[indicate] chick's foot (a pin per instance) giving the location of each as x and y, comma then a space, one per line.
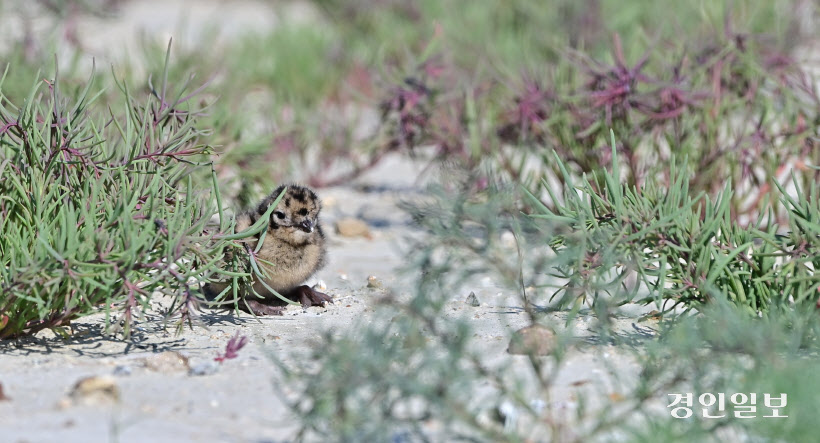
260, 309
309, 296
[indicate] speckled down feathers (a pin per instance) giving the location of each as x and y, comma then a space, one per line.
294, 243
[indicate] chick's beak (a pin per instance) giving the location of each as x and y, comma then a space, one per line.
306, 225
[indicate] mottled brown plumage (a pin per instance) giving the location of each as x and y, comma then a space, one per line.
294, 245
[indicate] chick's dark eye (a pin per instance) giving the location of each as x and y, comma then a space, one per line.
303, 211
279, 214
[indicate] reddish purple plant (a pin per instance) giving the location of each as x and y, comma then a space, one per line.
406, 119
407, 105
232, 348
614, 88
531, 109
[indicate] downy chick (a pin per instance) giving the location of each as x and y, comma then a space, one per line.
295, 246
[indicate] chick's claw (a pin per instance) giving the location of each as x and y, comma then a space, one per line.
260, 309
310, 297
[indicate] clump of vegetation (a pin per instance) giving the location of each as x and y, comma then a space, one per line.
100, 212
682, 249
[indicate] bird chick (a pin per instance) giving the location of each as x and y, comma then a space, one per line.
294, 246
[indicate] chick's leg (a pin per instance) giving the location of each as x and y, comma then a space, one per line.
259, 309
309, 296
212, 290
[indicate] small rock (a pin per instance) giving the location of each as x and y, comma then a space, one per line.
352, 227
3, 396
472, 300
538, 405
508, 415
508, 239
64, 403
374, 283
206, 368
320, 285
95, 391
121, 370
532, 340
401, 437
168, 361
616, 397
329, 202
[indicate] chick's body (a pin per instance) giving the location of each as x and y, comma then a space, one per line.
292, 250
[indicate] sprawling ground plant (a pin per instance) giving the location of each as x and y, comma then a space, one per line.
98, 210
682, 249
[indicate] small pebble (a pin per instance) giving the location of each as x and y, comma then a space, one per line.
538, 405
206, 368
95, 391
532, 340
401, 437
168, 361
329, 202
374, 283
122, 370
352, 227
508, 414
508, 239
64, 403
472, 300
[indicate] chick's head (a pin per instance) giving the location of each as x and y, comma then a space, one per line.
296, 217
